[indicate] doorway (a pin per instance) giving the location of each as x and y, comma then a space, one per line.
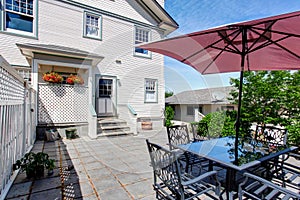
106, 96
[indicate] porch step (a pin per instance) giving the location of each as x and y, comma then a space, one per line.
112, 127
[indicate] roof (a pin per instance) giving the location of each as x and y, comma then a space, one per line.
29, 49
165, 21
217, 95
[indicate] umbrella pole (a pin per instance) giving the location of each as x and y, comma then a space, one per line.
238, 118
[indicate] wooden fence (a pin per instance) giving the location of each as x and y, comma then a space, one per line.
17, 122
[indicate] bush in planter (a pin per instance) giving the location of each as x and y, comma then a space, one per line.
34, 164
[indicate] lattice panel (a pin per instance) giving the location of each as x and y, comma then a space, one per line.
62, 103
11, 89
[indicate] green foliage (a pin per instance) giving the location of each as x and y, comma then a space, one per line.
169, 113
220, 123
34, 163
270, 98
168, 94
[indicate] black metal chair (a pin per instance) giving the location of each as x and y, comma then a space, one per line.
200, 131
255, 187
271, 134
275, 137
287, 173
179, 134
171, 183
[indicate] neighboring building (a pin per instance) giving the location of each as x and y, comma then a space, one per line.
193, 105
94, 40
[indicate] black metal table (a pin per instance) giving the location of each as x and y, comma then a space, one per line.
222, 151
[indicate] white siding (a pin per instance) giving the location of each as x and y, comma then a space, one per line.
61, 24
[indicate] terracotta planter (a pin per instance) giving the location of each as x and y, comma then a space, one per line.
146, 125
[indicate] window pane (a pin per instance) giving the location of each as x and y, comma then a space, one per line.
92, 26
150, 90
141, 36
19, 22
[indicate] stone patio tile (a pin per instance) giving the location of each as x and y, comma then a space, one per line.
21, 178
106, 183
130, 178
116, 193
89, 197
84, 154
48, 194
140, 189
25, 197
72, 191
86, 188
19, 189
88, 159
118, 167
150, 197
93, 165
98, 173
46, 184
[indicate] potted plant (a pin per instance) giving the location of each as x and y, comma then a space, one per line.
34, 164
52, 77
74, 79
50, 165
71, 133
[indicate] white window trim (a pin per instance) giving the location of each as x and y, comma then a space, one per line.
155, 91
99, 37
19, 32
148, 55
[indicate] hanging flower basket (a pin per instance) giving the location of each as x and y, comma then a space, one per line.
52, 77
74, 79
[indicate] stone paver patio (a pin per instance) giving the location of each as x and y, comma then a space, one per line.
105, 168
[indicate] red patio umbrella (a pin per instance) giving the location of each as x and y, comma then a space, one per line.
271, 43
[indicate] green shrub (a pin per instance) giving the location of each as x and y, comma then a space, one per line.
220, 123
169, 113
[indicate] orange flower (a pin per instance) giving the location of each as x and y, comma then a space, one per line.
52, 77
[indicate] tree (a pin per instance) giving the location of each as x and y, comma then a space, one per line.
220, 123
269, 98
168, 94
169, 116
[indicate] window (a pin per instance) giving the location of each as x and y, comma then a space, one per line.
92, 26
25, 73
141, 36
19, 16
105, 87
227, 108
190, 110
150, 90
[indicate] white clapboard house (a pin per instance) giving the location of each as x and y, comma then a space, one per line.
80, 57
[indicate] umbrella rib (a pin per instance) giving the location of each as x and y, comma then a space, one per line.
278, 32
260, 35
212, 46
230, 41
275, 43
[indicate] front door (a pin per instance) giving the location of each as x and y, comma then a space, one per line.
106, 96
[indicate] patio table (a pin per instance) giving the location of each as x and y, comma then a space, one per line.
221, 151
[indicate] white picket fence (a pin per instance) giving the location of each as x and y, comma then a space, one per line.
17, 122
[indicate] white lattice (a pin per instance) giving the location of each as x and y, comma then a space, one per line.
59, 103
11, 89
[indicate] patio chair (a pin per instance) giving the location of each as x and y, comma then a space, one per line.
271, 134
200, 131
171, 183
255, 187
287, 173
275, 137
179, 134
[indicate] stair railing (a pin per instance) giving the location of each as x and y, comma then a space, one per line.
134, 120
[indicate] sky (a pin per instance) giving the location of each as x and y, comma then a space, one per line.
197, 15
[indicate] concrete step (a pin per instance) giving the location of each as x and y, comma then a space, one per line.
115, 133
112, 127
